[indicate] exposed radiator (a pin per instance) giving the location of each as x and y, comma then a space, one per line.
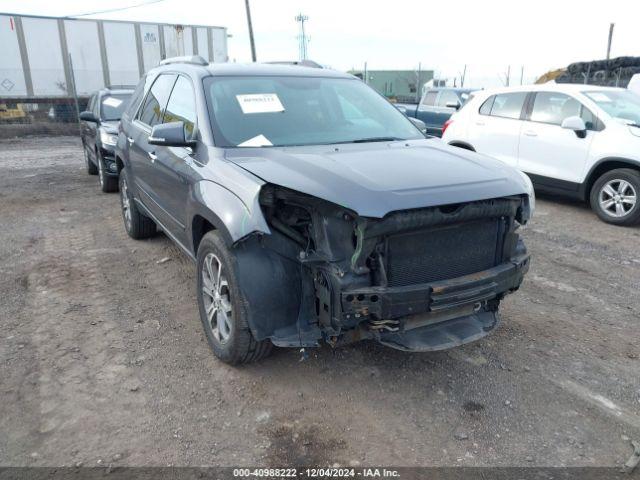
443, 252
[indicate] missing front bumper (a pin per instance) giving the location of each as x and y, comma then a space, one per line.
397, 302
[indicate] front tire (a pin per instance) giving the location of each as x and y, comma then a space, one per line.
615, 197
108, 184
137, 225
223, 309
91, 168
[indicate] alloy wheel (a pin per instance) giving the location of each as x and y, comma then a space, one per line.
617, 198
126, 204
216, 298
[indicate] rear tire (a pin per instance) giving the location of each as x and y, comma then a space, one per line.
223, 308
615, 197
91, 168
137, 225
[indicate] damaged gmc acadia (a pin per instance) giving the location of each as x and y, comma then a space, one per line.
316, 211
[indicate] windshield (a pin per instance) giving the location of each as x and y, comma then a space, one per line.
620, 104
287, 111
112, 106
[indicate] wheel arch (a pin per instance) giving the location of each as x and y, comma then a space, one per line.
214, 207
603, 166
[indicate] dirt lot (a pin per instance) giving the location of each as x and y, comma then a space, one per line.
103, 360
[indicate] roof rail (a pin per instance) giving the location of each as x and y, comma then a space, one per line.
300, 63
193, 59
120, 87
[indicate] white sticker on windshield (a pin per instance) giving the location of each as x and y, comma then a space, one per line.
112, 102
260, 103
258, 141
599, 97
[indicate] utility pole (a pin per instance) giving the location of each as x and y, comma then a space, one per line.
253, 44
462, 77
610, 39
302, 38
521, 74
366, 80
508, 75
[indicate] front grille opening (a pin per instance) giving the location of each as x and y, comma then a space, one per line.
449, 209
443, 252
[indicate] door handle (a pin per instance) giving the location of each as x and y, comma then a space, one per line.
152, 156
130, 140
530, 133
479, 123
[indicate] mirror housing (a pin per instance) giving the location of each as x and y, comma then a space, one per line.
419, 124
88, 116
576, 124
170, 135
454, 105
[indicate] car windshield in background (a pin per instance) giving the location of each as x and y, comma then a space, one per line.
624, 105
288, 111
112, 106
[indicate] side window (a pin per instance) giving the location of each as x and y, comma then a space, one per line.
182, 106
508, 105
590, 120
553, 107
138, 95
430, 98
447, 96
485, 109
153, 109
95, 108
91, 102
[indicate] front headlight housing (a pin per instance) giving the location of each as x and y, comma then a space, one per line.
530, 192
108, 138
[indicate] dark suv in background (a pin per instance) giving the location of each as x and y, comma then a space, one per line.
99, 133
316, 211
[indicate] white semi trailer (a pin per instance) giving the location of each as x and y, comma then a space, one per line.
44, 57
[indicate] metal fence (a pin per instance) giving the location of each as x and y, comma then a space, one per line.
43, 116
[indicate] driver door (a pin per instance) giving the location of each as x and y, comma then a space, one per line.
548, 151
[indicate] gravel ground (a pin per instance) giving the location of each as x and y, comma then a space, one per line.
103, 360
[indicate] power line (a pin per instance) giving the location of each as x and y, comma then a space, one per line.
110, 10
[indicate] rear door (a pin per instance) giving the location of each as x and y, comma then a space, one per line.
554, 154
495, 129
172, 177
142, 156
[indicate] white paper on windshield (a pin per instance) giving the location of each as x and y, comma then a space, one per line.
259, 141
260, 103
112, 102
599, 97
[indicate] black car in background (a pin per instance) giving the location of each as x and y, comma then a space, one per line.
99, 133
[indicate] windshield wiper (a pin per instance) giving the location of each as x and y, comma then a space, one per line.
373, 139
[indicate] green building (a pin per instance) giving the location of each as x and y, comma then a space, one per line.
403, 85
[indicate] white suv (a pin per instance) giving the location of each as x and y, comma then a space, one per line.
581, 141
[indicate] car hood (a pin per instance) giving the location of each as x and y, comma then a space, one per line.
110, 126
374, 179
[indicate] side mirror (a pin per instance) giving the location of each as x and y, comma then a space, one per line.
170, 135
88, 116
454, 105
576, 124
401, 109
419, 124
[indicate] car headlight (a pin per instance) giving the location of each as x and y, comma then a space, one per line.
530, 192
108, 138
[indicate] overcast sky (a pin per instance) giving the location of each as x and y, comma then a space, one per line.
487, 35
